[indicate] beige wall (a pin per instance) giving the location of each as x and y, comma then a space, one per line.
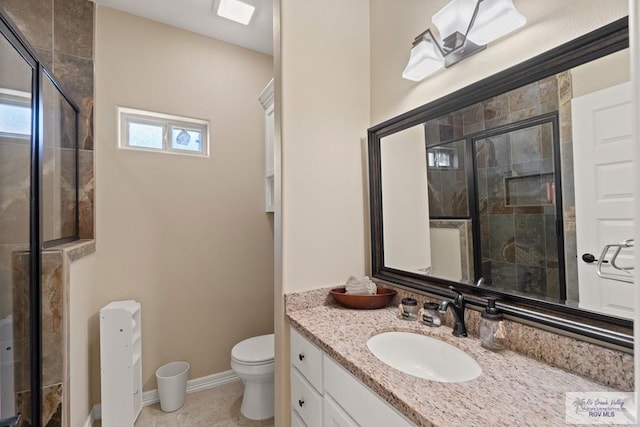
187, 237
84, 339
322, 102
393, 28
602, 73
405, 205
447, 258
325, 100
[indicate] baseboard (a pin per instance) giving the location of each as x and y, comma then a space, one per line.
198, 384
150, 397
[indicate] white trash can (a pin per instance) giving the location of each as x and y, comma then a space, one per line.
172, 385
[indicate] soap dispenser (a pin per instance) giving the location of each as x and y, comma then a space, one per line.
493, 334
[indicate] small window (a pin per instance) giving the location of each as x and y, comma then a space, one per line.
442, 158
146, 130
15, 114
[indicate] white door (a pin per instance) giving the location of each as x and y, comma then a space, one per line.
603, 161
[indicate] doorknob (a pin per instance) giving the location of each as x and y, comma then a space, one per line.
589, 258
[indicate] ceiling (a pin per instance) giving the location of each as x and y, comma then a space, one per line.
199, 17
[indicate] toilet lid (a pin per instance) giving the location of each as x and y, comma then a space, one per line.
254, 350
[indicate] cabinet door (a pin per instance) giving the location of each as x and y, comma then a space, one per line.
362, 404
334, 415
307, 358
296, 421
305, 400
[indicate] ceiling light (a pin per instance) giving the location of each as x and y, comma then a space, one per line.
465, 27
236, 10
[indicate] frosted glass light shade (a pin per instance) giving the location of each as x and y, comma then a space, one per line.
425, 59
455, 16
495, 19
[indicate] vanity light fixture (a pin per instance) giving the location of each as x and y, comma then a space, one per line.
465, 27
236, 10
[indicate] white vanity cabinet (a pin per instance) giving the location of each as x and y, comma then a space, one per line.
325, 394
306, 380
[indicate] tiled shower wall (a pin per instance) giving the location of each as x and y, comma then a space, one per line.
54, 339
61, 35
531, 226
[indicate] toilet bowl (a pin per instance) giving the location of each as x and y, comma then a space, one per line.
252, 360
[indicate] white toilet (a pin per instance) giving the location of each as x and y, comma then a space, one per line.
252, 360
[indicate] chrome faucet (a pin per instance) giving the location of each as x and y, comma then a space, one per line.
457, 307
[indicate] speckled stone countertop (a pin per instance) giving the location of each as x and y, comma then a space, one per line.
513, 390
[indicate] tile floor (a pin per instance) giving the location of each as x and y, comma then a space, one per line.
217, 407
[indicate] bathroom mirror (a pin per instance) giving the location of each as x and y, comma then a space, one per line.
512, 188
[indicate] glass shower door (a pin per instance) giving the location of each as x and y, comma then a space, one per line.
16, 76
516, 180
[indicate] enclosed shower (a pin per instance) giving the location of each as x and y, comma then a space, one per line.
38, 209
494, 175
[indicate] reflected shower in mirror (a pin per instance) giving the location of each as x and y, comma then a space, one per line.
511, 191
517, 212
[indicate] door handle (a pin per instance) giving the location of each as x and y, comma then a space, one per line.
589, 258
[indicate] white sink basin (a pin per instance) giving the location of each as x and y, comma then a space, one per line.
424, 357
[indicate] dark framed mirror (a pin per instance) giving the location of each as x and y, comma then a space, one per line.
501, 188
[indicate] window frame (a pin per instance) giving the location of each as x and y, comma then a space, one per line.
168, 122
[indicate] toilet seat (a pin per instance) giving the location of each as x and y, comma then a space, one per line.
254, 351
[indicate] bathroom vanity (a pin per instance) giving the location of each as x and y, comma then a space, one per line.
324, 393
336, 380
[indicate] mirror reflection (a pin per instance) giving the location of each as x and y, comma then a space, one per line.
521, 192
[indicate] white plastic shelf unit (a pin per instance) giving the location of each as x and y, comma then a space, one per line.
121, 363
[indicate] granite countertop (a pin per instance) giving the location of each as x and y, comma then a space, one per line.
512, 389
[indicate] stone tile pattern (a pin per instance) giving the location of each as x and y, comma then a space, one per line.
512, 390
448, 193
565, 95
59, 174
515, 172
53, 334
51, 406
55, 304
78, 249
216, 407
60, 33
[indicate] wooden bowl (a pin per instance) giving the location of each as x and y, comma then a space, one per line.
363, 302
